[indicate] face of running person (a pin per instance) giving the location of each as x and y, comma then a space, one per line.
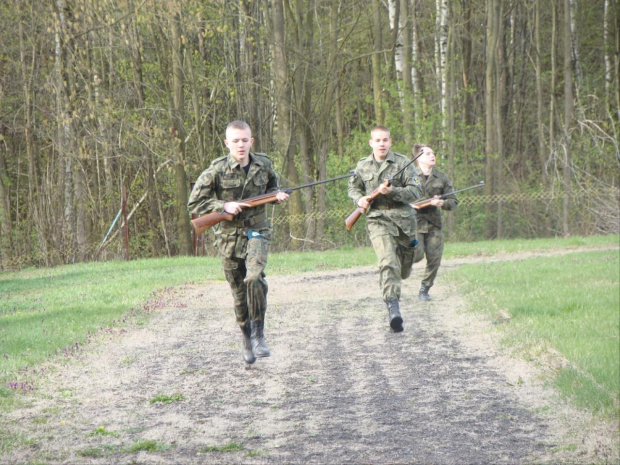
380, 142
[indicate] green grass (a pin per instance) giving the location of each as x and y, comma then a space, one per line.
167, 399
486, 248
147, 446
569, 304
43, 311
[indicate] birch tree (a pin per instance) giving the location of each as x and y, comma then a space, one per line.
407, 108
568, 114
376, 61
442, 71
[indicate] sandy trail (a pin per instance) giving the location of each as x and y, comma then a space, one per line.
338, 388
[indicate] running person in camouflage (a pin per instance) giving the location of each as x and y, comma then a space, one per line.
391, 219
429, 219
244, 242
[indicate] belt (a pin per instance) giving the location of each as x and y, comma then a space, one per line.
248, 222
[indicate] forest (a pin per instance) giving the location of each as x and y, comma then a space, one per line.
110, 109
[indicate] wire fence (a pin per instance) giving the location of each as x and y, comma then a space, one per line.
594, 210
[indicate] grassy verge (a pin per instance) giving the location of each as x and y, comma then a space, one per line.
485, 248
568, 305
44, 311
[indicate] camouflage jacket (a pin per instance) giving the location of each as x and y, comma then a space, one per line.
225, 181
394, 208
437, 184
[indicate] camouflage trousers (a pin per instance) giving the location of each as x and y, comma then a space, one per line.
395, 258
431, 245
246, 278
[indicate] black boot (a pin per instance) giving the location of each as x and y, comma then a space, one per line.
396, 320
248, 354
423, 295
259, 347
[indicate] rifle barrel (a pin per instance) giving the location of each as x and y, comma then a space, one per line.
450, 193
316, 183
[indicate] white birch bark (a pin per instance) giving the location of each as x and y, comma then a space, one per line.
398, 50
437, 28
606, 47
443, 49
414, 56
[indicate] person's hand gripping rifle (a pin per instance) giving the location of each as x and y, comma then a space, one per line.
384, 188
231, 209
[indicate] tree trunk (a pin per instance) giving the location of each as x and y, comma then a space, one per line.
177, 113
6, 230
415, 78
66, 137
554, 77
34, 181
282, 93
450, 116
499, 114
539, 113
442, 41
568, 115
468, 111
138, 81
490, 109
376, 62
617, 55
406, 72
608, 58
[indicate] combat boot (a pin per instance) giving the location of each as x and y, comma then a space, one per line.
423, 294
396, 320
259, 347
248, 354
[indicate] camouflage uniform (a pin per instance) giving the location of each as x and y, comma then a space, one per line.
244, 242
391, 219
430, 223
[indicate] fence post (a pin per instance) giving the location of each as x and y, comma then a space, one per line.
124, 208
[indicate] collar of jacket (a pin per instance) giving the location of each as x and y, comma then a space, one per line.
389, 157
432, 175
254, 160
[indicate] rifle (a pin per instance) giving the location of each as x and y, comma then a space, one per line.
204, 222
427, 202
359, 211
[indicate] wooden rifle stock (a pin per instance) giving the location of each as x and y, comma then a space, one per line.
359, 211
427, 202
204, 222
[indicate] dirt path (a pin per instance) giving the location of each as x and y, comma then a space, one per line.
338, 388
